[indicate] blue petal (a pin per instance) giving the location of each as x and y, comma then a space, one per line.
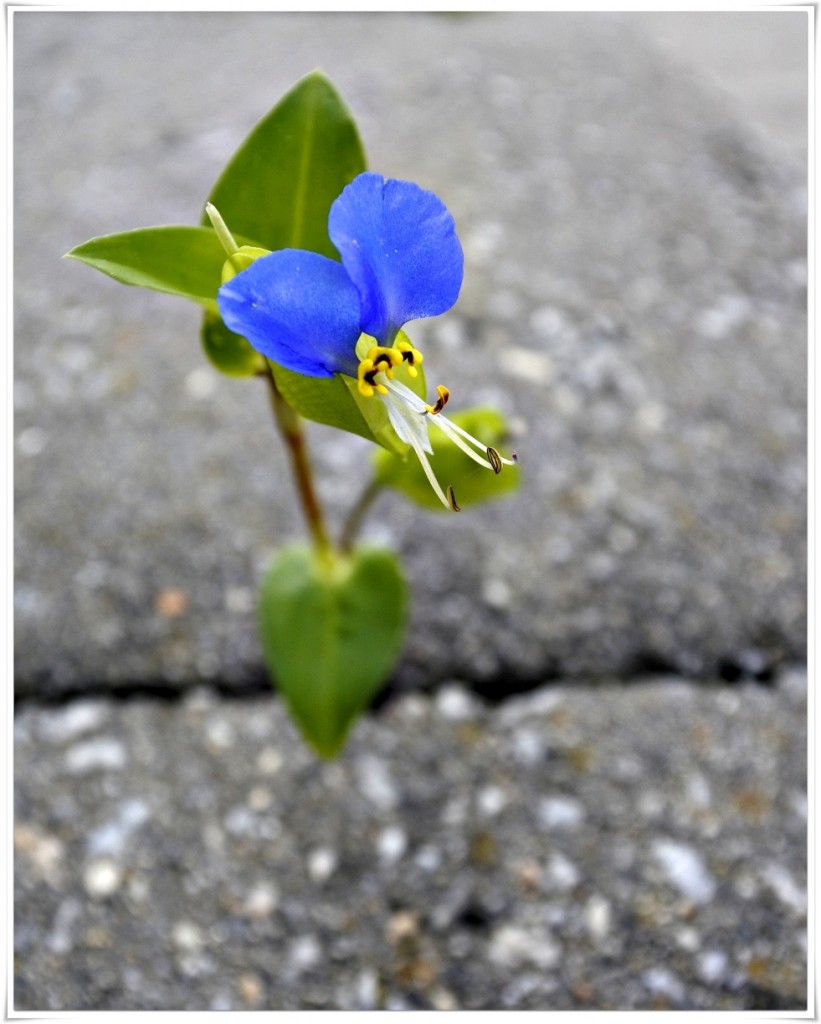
399, 246
297, 308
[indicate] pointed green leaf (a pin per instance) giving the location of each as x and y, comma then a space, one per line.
279, 185
471, 483
176, 259
331, 632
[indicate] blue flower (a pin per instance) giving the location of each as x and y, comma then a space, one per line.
401, 260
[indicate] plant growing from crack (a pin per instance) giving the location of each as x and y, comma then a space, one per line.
308, 268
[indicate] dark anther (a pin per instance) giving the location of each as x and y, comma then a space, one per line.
494, 460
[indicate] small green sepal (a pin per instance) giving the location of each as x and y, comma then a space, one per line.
229, 353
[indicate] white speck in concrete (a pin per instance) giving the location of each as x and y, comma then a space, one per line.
661, 981
102, 878
31, 441
73, 720
490, 800
711, 965
528, 746
367, 989
269, 761
496, 594
375, 782
260, 798
428, 858
391, 844
513, 947
718, 321
794, 683
798, 804
650, 417
561, 874
201, 383
528, 364
650, 804
455, 703
536, 705
240, 821
103, 753
455, 812
187, 937
112, 836
597, 917
60, 939
688, 938
560, 812
698, 792
322, 863
482, 241
783, 885
548, 322
239, 600
728, 702
450, 333
685, 869
304, 953
261, 902
219, 734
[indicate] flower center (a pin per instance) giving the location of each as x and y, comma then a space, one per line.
381, 359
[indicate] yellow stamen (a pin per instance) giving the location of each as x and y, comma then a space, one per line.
441, 401
410, 355
384, 358
381, 359
366, 375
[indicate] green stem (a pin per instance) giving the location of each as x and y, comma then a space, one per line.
290, 426
357, 514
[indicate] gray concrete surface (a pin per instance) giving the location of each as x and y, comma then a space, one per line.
614, 848
634, 300
756, 60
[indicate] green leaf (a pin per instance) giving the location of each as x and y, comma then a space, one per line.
176, 259
322, 399
228, 352
471, 483
279, 185
278, 189
331, 632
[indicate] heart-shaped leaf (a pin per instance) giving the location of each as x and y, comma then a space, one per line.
331, 630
